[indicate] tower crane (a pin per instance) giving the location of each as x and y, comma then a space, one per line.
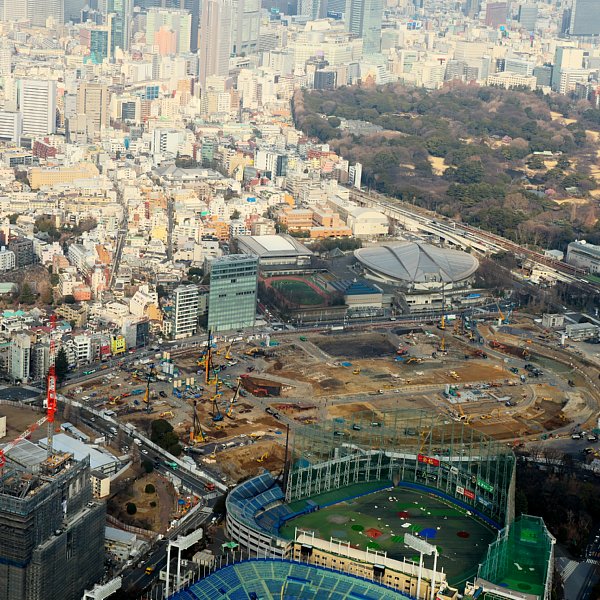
50, 402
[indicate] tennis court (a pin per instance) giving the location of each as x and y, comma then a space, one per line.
380, 520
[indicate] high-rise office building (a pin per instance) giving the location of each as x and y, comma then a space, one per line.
192, 6
6, 52
122, 11
37, 12
37, 104
566, 58
99, 43
15, 10
215, 39
186, 311
585, 18
527, 16
470, 7
245, 27
51, 532
72, 10
175, 20
496, 13
232, 295
60, 11
92, 101
313, 9
363, 18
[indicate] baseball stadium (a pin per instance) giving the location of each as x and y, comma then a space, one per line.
408, 500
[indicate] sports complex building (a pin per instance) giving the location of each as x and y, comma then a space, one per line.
406, 500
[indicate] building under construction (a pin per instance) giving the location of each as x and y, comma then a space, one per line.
51, 532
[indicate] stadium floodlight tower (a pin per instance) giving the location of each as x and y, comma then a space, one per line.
181, 543
423, 547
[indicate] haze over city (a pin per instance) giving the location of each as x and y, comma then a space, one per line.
299, 299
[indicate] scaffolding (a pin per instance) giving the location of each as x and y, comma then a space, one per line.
413, 447
51, 532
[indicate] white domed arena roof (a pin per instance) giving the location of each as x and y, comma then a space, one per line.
414, 262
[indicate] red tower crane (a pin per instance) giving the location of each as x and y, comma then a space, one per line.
50, 403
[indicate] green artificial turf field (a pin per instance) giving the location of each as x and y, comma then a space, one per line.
380, 520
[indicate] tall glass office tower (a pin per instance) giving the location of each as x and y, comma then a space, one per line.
363, 18
232, 296
585, 18
121, 23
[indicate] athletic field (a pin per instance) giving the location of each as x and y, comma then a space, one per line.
380, 520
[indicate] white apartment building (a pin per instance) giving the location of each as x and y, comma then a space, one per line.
20, 357
37, 104
185, 317
11, 126
82, 348
7, 259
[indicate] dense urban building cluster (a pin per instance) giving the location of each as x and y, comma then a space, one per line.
186, 190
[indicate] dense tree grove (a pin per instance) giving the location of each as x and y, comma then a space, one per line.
469, 152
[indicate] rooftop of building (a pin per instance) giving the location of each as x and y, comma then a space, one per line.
417, 262
265, 246
583, 245
272, 578
64, 443
117, 535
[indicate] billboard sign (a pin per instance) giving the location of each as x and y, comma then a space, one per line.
428, 460
484, 485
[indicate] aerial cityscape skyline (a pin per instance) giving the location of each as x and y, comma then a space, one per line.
299, 299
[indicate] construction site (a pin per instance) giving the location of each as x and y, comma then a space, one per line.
53, 532
502, 374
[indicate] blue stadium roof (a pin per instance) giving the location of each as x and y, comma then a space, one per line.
274, 579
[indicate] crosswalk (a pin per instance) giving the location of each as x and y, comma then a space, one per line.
568, 569
571, 565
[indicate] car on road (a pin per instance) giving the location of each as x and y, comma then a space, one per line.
144, 451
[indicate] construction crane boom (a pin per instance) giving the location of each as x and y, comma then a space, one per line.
237, 391
20, 438
50, 403
500, 313
146, 398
